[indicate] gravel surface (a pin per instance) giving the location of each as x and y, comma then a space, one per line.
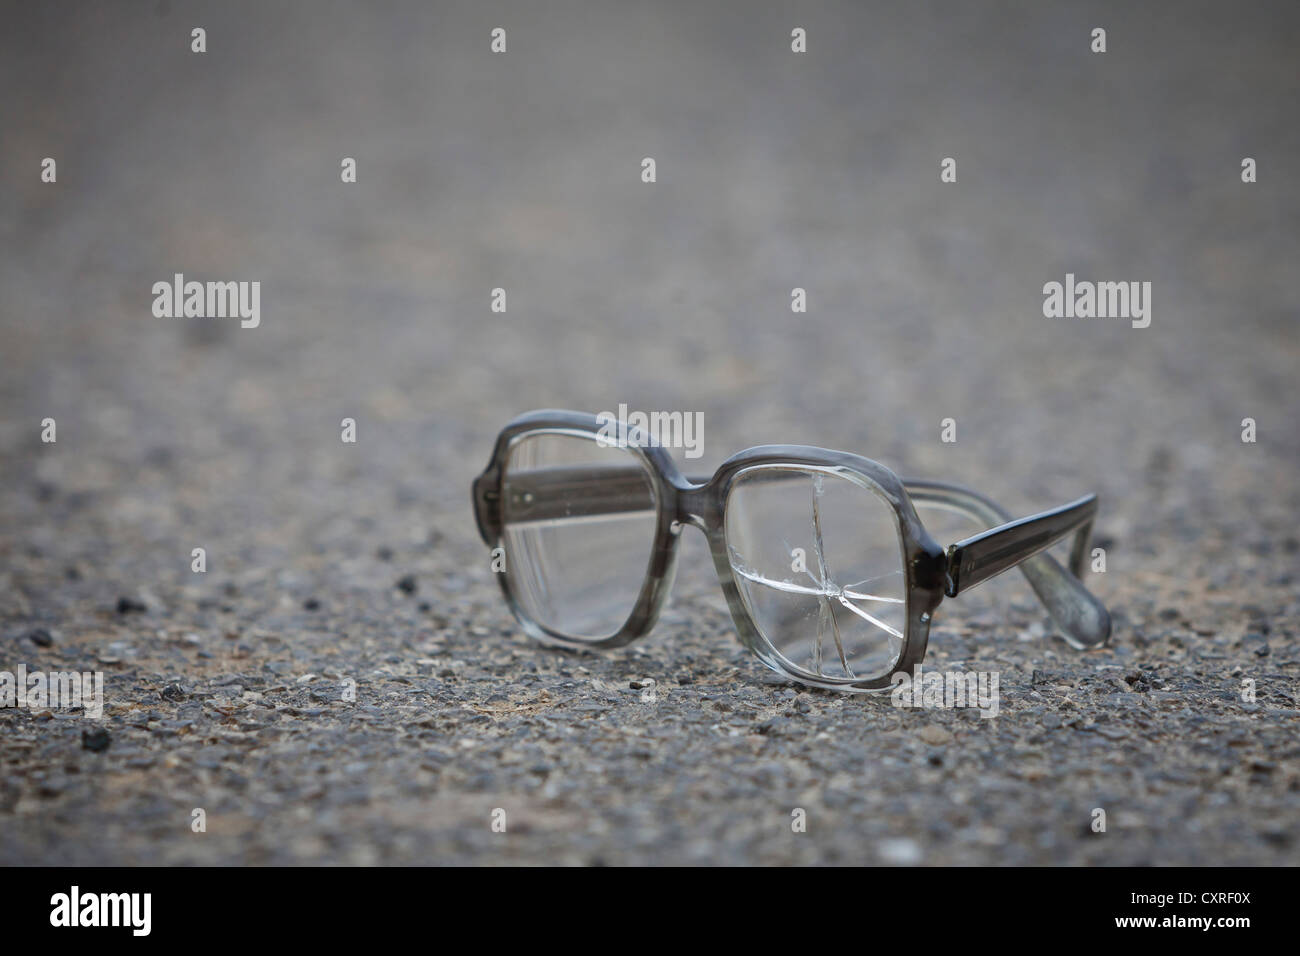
334, 567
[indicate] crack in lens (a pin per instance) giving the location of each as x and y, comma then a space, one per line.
830, 595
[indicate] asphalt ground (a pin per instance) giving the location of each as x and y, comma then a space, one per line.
335, 565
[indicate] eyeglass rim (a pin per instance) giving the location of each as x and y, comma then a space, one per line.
680, 502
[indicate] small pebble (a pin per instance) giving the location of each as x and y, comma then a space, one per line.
935, 735
901, 852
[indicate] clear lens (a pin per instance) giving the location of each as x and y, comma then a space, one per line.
579, 525
819, 564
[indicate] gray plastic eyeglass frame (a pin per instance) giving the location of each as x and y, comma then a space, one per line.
931, 571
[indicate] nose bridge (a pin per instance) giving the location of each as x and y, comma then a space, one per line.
693, 506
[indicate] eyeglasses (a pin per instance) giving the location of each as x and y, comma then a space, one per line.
830, 577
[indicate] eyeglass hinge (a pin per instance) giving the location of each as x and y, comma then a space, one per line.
487, 507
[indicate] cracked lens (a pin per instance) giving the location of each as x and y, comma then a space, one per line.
818, 562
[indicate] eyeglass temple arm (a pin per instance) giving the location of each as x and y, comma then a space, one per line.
1011, 543
989, 553
554, 493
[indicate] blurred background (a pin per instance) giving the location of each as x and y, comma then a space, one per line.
522, 170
